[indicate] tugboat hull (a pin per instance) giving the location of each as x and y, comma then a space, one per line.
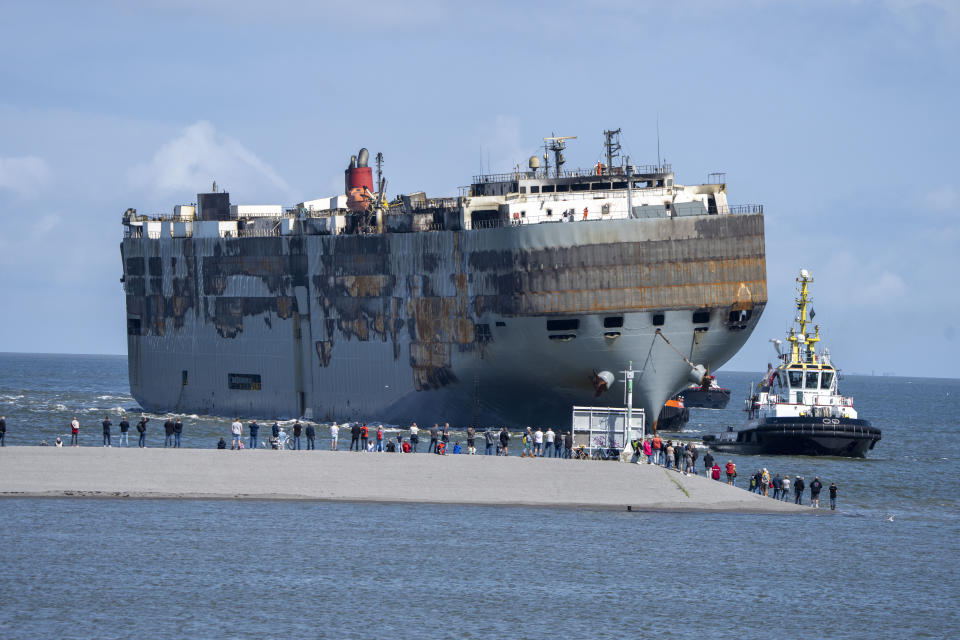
697, 398
801, 436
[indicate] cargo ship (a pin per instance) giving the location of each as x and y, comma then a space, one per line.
506, 304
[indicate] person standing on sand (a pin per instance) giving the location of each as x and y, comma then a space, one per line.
3, 431
815, 487
254, 434
334, 435
236, 430
177, 432
708, 461
777, 486
471, 440
785, 487
414, 437
798, 487
731, 473
379, 447
548, 439
355, 436
107, 442
74, 432
657, 445
538, 443
297, 431
364, 436
124, 427
833, 496
568, 445
490, 438
670, 453
275, 430
648, 450
167, 433
715, 471
311, 437
142, 430
434, 438
445, 436
504, 441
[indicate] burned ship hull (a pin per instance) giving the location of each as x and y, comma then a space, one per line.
498, 326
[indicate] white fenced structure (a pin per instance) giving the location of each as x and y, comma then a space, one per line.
603, 427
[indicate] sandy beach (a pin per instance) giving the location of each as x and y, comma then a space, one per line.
345, 476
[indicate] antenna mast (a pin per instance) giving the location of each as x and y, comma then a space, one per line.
612, 144
557, 144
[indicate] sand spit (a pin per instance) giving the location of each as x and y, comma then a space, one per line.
366, 477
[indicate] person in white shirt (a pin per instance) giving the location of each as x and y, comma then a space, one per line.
414, 437
538, 443
236, 429
334, 434
548, 438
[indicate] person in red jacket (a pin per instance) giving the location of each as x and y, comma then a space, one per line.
364, 436
380, 438
715, 471
731, 472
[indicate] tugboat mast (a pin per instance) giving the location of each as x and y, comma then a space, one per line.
809, 341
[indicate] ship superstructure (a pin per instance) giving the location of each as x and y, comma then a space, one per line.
505, 304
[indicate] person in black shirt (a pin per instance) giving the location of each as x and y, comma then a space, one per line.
168, 433
311, 437
815, 487
254, 431
833, 496
222, 444
798, 487
3, 431
434, 438
106, 431
177, 431
504, 442
142, 430
297, 431
124, 427
355, 436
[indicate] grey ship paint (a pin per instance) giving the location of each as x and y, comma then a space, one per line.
497, 307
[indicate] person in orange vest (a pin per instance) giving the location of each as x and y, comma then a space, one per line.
657, 450
731, 472
364, 435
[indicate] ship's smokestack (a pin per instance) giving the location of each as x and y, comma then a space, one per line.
363, 157
358, 182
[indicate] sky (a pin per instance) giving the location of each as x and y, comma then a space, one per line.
840, 117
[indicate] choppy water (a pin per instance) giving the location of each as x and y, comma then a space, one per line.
171, 569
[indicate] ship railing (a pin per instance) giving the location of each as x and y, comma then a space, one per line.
495, 224
258, 233
638, 170
741, 209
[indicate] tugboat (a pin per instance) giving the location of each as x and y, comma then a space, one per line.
798, 409
674, 415
707, 395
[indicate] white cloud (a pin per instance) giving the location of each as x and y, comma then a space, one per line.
850, 282
198, 156
501, 145
24, 175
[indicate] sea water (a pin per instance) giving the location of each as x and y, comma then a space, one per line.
883, 566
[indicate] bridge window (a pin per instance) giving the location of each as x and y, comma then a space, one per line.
582, 186
796, 378
562, 187
523, 189
826, 379
658, 319
613, 322
482, 333
813, 379
535, 189
548, 188
701, 317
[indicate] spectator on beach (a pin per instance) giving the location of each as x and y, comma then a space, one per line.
538, 443
168, 433
714, 471
365, 436
670, 454
275, 430
334, 434
731, 473
456, 447
283, 439
58, 442
504, 441
406, 447
657, 446
355, 436
777, 486
568, 445
549, 437
688, 458
3, 431
379, 446
471, 440
648, 450
707, 461
222, 444
445, 434
236, 430
177, 432
490, 439
369, 446
297, 432
785, 487
311, 437
798, 487
254, 434
74, 432
124, 428
833, 496
393, 447
815, 487
107, 441
414, 437
434, 438
142, 431
527, 440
